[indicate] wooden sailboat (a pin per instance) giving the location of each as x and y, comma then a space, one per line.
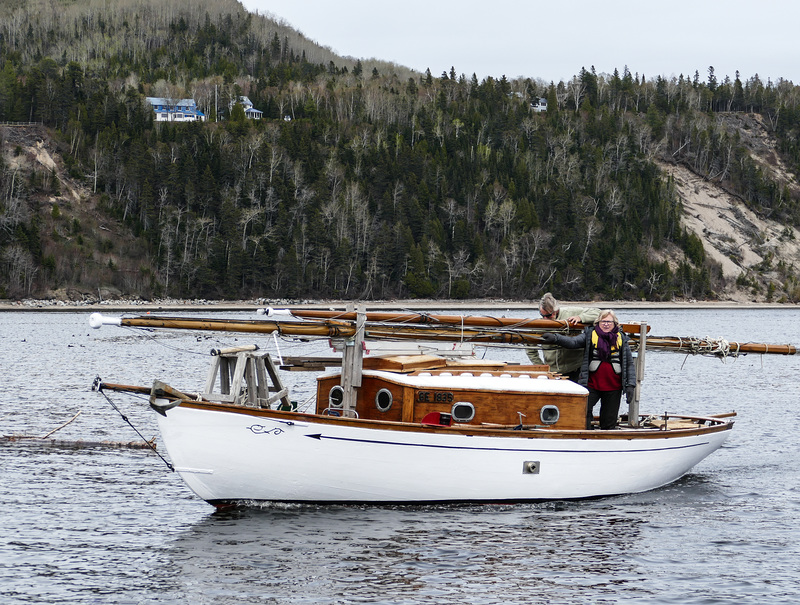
411, 428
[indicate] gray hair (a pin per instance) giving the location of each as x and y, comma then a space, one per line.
549, 303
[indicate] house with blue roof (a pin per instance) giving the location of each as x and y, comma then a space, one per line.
171, 110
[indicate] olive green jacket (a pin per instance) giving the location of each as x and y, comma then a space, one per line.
565, 360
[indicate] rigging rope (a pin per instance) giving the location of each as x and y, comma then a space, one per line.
98, 386
709, 346
715, 347
138, 331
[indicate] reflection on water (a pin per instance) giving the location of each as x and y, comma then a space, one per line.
436, 554
101, 525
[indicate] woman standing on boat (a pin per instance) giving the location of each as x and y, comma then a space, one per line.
607, 367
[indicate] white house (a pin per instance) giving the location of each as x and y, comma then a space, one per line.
170, 110
250, 112
539, 105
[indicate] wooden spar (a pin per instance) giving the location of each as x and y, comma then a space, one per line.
714, 346
335, 329
259, 326
472, 321
503, 330
518, 331
755, 347
426, 318
164, 390
123, 388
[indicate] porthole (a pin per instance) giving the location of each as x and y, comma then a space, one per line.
336, 397
383, 400
463, 411
549, 414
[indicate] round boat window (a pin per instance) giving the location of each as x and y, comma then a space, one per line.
383, 400
549, 414
463, 411
336, 397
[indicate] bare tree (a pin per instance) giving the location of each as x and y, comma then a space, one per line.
456, 267
592, 229
505, 215
20, 269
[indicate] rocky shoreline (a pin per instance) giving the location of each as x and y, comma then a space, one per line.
137, 305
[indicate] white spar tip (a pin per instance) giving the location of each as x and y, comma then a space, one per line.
270, 312
98, 319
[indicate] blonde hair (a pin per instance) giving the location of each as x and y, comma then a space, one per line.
607, 313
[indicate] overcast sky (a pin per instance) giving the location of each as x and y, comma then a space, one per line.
552, 40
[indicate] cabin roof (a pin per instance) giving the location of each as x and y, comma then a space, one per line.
460, 380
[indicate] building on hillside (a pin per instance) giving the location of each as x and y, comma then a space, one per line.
172, 110
250, 112
539, 105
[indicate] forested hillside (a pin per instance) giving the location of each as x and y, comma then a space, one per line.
364, 180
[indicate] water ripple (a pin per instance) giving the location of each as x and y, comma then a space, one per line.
100, 525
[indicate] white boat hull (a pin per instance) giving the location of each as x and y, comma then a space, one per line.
227, 457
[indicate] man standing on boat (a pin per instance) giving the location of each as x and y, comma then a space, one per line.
564, 361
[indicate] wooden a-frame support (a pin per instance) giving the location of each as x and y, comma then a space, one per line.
245, 377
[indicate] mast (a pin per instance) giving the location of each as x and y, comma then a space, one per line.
352, 365
525, 332
633, 407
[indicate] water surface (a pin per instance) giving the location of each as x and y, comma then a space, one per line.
105, 525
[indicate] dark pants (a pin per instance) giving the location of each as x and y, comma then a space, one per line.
609, 408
